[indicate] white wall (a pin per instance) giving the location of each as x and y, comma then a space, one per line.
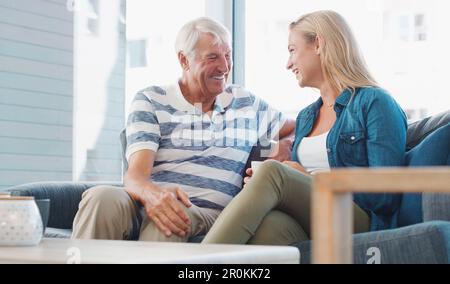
60, 117
36, 83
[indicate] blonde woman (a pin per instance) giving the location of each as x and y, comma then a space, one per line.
354, 123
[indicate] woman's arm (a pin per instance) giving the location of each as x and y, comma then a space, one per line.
386, 132
386, 143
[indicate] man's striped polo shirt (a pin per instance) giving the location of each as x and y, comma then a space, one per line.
203, 154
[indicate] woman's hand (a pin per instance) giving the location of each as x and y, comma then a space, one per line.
291, 164
296, 166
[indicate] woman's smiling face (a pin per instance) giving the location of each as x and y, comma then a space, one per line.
304, 60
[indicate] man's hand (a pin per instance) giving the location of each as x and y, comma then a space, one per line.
164, 206
282, 150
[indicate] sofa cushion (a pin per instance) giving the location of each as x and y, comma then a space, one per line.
64, 198
434, 150
421, 243
57, 233
419, 130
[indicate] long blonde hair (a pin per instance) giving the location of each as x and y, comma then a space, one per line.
342, 63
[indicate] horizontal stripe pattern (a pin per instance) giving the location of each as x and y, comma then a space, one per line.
211, 161
205, 203
204, 155
203, 171
196, 181
173, 154
193, 192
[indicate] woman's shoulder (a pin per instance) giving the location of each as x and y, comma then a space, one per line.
371, 92
376, 93
376, 99
370, 95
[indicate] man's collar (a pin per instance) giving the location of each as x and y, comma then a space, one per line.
222, 101
180, 102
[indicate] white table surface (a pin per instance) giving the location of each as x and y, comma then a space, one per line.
104, 251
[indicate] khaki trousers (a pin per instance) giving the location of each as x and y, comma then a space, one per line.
274, 208
108, 212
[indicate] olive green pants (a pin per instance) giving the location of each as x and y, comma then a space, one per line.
273, 208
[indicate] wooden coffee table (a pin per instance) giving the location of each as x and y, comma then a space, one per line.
103, 251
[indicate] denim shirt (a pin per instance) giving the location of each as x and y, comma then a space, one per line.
370, 131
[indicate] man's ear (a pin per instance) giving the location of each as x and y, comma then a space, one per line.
184, 62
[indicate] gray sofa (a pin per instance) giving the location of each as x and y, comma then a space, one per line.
420, 239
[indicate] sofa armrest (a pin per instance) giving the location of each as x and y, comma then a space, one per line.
436, 206
64, 198
424, 243
331, 207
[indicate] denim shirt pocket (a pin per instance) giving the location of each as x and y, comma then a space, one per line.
352, 149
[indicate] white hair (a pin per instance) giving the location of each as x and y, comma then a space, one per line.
190, 33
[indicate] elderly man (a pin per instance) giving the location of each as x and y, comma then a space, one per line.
187, 147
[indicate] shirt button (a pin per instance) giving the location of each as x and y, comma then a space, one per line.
328, 150
352, 138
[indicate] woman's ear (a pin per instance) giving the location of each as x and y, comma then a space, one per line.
184, 62
320, 43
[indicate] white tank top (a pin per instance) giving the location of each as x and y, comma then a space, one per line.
312, 153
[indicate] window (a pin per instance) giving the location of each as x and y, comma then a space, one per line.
98, 90
151, 36
404, 43
137, 53
420, 28
65, 67
93, 17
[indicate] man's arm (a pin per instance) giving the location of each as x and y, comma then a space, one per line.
287, 130
283, 149
161, 204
